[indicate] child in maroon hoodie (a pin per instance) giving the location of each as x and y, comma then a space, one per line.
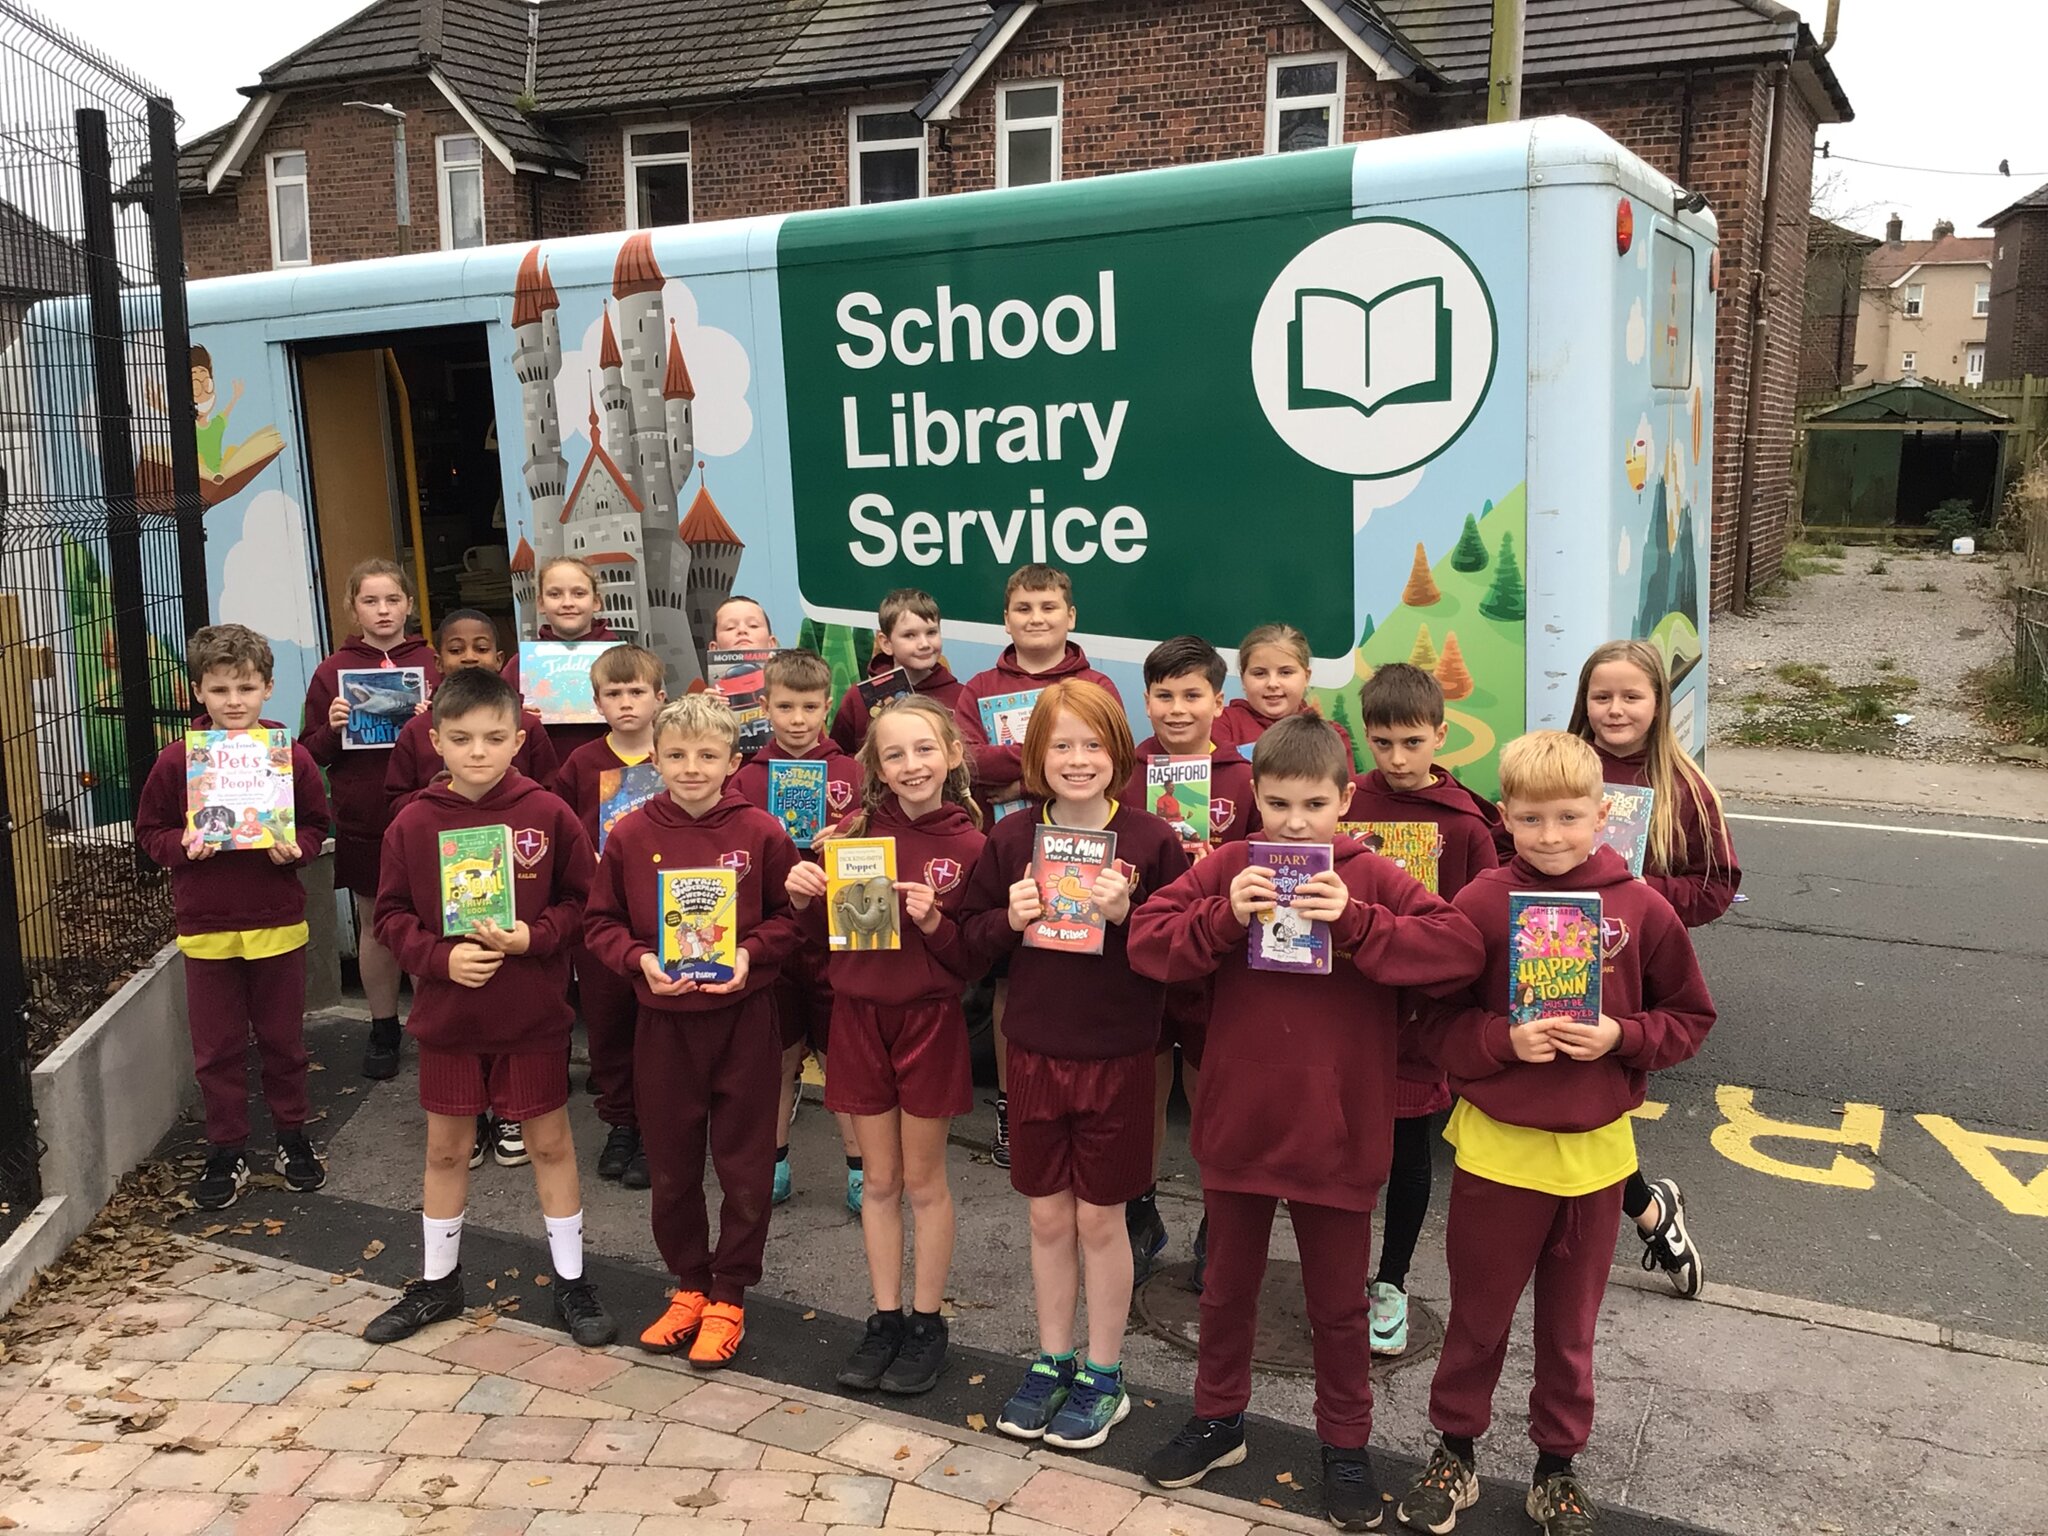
1401, 709
900, 1068
1273, 664
1623, 707
1297, 1100
1543, 1132
603, 781
797, 689
380, 598
465, 638
1083, 1032
566, 590
490, 1007
241, 927
907, 639
1184, 680
993, 711
704, 1056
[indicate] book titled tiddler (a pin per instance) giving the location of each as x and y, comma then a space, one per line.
700, 938
1282, 939
1554, 955
380, 701
238, 787
1065, 863
476, 879
554, 675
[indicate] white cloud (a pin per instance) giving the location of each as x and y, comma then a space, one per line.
261, 580
719, 369
1625, 555
1636, 331
1368, 496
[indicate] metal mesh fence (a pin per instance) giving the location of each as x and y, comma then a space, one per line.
100, 525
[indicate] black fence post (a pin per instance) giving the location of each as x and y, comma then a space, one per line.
134, 697
21, 1184
168, 238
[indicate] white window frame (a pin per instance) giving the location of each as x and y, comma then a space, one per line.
1980, 301
1916, 300
633, 162
1006, 125
1973, 363
442, 170
273, 182
922, 143
1334, 102
1909, 365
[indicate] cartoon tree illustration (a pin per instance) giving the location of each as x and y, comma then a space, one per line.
1424, 654
1365, 634
1505, 599
1451, 672
1421, 590
1470, 553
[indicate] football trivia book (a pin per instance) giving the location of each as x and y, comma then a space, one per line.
796, 797
238, 787
380, 701
1177, 792
1417, 846
1628, 822
861, 910
1554, 955
1281, 940
700, 938
1065, 862
476, 879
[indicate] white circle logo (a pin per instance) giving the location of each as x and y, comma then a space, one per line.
1374, 348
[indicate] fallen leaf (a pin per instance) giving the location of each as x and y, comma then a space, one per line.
977, 1422
1272, 1503
902, 1453
543, 1279
213, 1231
976, 1379
289, 1432
793, 1408
490, 1285
346, 1091
126, 1395
7, 1523
1149, 1403
992, 1505
362, 1385
538, 1482
703, 1498
192, 1443
511, 1274
808, 1316
1285, 1477
374, 1247
434, 1487
83, 1448
416, 1511
272, 1227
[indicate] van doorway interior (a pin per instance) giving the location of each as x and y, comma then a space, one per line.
400, 434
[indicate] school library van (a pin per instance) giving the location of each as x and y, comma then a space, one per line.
1443, 399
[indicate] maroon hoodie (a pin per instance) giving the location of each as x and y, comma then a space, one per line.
1087, 1007
1467, 824
356, 779
1650, 984
624, 914
525, 1005
1233, 809
842, 776
938, 849
1703, 884
1297, 1093
850, 725
1241, 726
238, 887
994, 767
579, 780
568, 737
414, 764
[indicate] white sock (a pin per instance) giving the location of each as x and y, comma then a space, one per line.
565, 1245
443, 1246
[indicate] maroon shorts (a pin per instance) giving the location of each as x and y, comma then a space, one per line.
1184, 1021
803, 1002
356, 861
520, 1086
911, 1056
1081, 1125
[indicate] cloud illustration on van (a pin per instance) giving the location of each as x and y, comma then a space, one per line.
720, 371
260, 580
1368, 496
1637, 332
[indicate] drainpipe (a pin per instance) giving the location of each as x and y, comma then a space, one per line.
1759, 319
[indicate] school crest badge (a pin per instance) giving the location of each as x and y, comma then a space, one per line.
942, 874
529, 846
1222, 813
838, 794
739, 861
1613, 937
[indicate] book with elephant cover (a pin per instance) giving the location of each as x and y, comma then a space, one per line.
1281, 941
700, 938
1065, 862
861, 909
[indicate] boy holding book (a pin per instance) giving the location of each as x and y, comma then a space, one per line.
741, 624
603, 781
1297, 1100
704, 1053
798, 690
241, 919
490, 1003
1402, 710
1542, 1130
907, 639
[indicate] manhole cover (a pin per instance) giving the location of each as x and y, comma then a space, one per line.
1167, 1309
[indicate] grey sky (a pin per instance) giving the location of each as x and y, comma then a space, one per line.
1947, 85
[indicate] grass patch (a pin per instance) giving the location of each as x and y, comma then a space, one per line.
1886, 664
2003, 705
1825, 715
1802, 559
1878, 567
1799, 674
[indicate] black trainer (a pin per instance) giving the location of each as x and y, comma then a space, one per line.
484, 1137
1351, 1494
636, 1175
1200, 1448
1560, 1506
1669, 1245
579, 1311
422, 1302
1447, 1487
302, 1167
999, 1152
221, 1182
875, 1353
380, 1056
920, 1358
619, 1146
1147, 1233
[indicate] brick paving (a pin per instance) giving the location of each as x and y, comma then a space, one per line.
232, 1396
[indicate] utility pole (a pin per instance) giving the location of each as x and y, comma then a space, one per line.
1504, 66
400, 180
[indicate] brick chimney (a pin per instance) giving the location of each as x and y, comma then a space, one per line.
1894, 230
1943, 228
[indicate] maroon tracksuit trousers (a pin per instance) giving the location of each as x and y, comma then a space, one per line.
610, 1013
1334, 1246
226, 1001
710, 1079
1498, 1238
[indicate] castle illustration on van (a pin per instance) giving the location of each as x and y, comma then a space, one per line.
661, 576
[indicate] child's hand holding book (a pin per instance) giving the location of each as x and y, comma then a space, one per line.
1584, 1042
659, 982
1111, 894
920, 903
472, 965
1252, 893
506, 941
1322, 897
1026, 906
806, 884
741, 964
280, 853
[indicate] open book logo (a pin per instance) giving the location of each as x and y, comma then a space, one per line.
1374, 348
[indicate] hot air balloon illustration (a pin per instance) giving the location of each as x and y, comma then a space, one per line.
1635, 459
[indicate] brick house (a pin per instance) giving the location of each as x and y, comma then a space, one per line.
2016, 341
1925, 306
1834, 290
572, 116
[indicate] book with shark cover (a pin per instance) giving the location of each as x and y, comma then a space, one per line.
380, 701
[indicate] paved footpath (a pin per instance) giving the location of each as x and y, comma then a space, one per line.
231, 1395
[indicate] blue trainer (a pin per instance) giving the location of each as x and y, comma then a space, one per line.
1096, 1404
856, 1184
1033, 1405
785, 1186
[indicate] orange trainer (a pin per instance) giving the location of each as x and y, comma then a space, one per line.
676, 1327
721, 1326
